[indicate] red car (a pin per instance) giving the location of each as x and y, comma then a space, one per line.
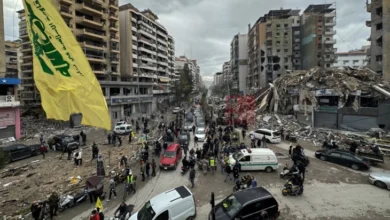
171, 157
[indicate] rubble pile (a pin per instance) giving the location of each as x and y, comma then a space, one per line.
344, 82
31, 128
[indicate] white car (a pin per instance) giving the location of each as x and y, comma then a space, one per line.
123, 129
270, 135
176, 110
200, 134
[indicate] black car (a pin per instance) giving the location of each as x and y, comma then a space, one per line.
63, 141
184, 139
342, 157
249, 204
19, 151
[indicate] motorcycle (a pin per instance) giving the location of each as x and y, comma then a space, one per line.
239, 186
286, 172
130, 209
66, 202
292, 189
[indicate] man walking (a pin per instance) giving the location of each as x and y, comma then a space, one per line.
112, 189
228, 171
153, 167
53, 204
143, 170
147, 168
192, 177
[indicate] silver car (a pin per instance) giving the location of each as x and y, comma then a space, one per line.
200, 134
380, 179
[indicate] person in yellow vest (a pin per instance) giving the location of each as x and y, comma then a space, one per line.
130, 181
212, 164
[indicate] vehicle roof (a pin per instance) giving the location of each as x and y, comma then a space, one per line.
257, 151
173, 147
252, 194
8, 147
170, 197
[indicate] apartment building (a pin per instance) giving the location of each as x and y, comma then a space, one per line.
11, 57
317, 33
180, 62
353, 58
239, 62
9, 106
379, 53
94, 23
219, 78
147, 51
226, 70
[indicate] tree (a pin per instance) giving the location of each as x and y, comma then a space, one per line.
185, 84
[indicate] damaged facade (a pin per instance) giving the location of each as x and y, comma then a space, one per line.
350, 99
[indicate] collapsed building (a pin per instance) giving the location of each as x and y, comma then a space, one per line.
348, 99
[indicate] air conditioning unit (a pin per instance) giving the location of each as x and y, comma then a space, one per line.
10, 98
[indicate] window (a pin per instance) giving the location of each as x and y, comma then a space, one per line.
163, 216
355, 61
246, 159
346, 156
285, 25
278, 50
379, 58
379, 26
379, 11
250, 209
285, 50
319, 46
368, 102
345, 61
278, 25
285, 34
286, 59
335, 154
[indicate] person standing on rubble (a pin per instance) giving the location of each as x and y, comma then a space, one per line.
120, 141
43, 150
95, 151
41, 139
142, 170
112, 189
35, 210
79, 158
243, 132
109, 138
264, 140
282, 133
113, 139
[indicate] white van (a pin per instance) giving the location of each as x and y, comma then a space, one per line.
255, 159
123, 129
270, 135
174, 204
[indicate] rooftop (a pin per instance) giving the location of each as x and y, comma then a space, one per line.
250, 194
321, 8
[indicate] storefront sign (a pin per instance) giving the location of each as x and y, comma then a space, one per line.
327, 109
7, 118
326, 92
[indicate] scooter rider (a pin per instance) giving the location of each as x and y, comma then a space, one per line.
122, 211
296, 179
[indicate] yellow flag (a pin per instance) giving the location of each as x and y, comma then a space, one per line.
62, 74
99, 204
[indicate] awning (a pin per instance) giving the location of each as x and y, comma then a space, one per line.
164, 79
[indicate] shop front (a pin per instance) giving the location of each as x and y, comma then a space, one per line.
10, 123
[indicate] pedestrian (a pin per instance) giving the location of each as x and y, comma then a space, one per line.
94, 215
53, 204
165, 146
43, 149
236, 174
228, 171
282, 133
290, 150
222, 163
119, 141
143, 170
101, 215
196, 141
130, 136
112, 189
264, 140
193, 129
69, 151
75, 156
80, 158
192, 177
258, 142
95, 151
212, 164
109, 138
253, 140
243, 132
35, 210
113, 139
153, 167
147, 168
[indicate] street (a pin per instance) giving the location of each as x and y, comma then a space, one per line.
331, 191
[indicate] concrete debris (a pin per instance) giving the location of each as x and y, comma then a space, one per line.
342, 82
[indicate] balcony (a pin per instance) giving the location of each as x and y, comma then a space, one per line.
163, 63
113, 16
89, 9
333, 32
99, 71
330, 41
113, 4
95, 58
149, 67
146, 41
114, 27
141, 22
162, 34
134, 29
162, 55
8, 101
134, 38
330, 15
297, 55
368, 23
162, 69
89, 22
164, 42
134, 19
93, 46
29, 63
297, 40
330, 50
330, 23
297, 32
369, 7
161, 91
114, 60
23, 35
135, 56
66, 12
147, 50
114, 38
66, 2
146, 33
148, 59
93, 34
134, 47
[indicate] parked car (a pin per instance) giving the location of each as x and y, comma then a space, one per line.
252, 203
19, 151
171, 157
380, 179
255, 159
184, 139
63, 141
176, 110
178, 203
200, 134
342, 157
190, 117
270, 135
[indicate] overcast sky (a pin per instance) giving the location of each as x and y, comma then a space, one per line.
203, 29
